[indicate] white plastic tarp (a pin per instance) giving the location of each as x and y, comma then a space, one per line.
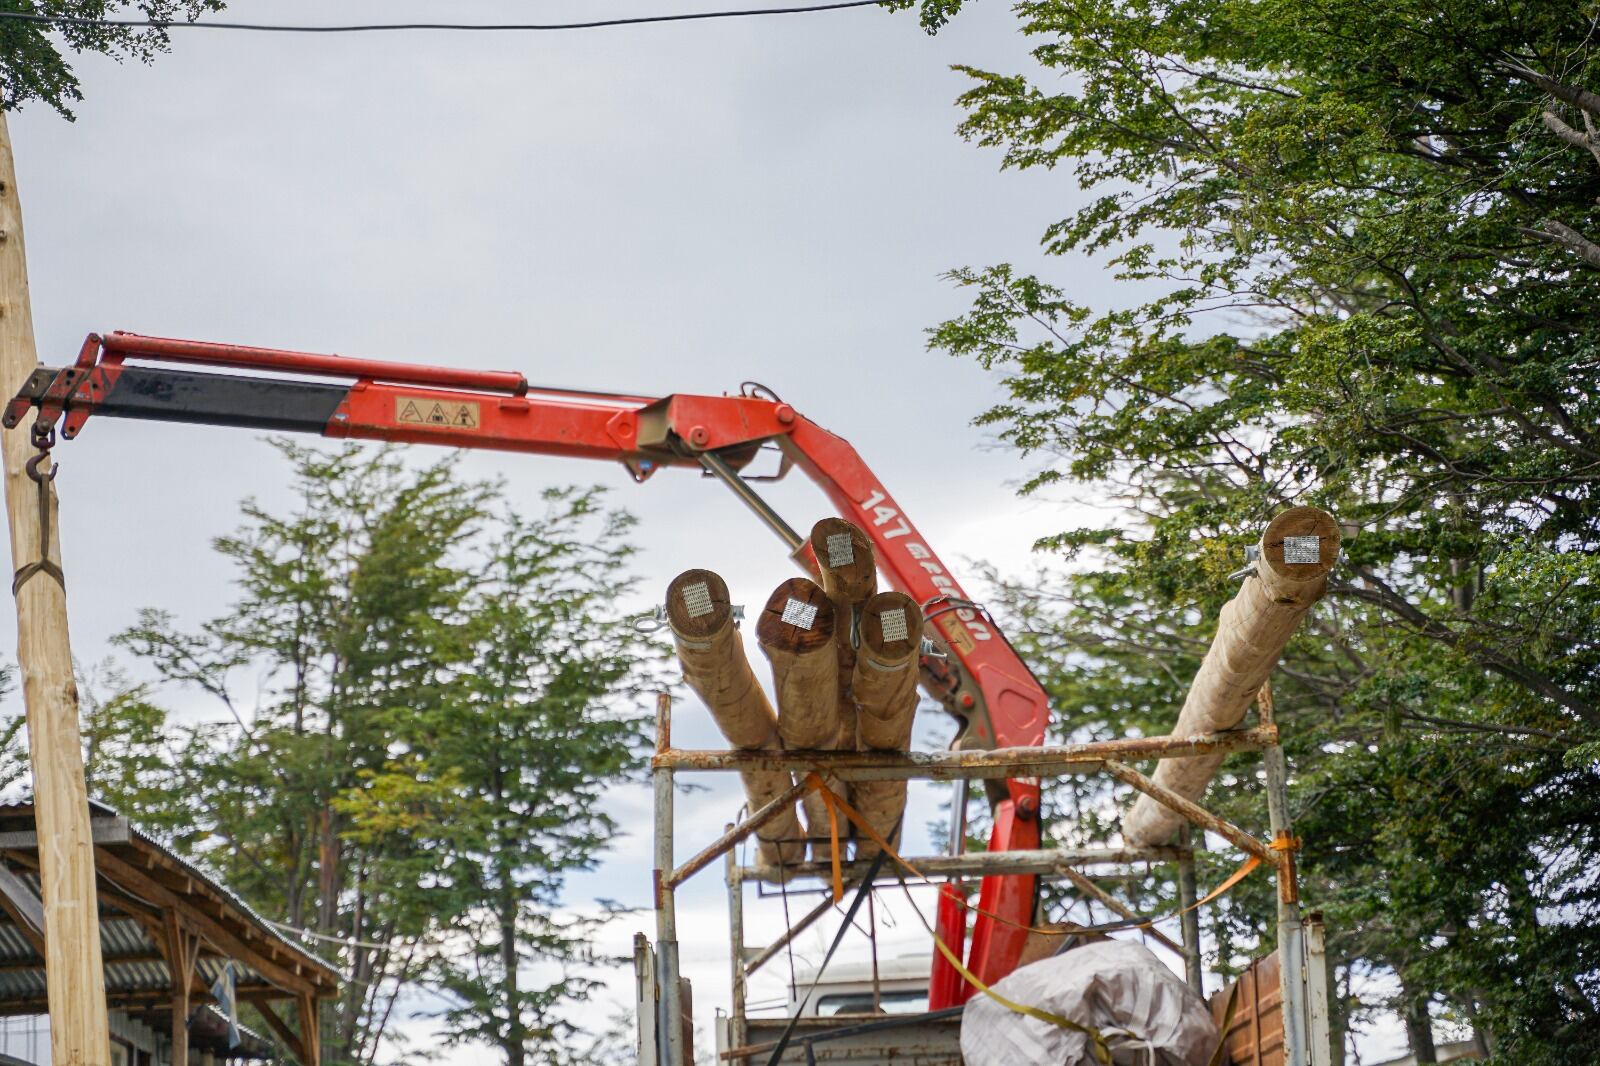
1145, 1012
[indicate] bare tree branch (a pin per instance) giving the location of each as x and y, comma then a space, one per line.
1569, 238
1580, 98
1553, 123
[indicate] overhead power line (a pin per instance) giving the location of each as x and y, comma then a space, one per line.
454, 27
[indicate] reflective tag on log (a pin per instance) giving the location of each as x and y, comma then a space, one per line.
697, 599
894, 623
799, 613
840, 551
1302, 549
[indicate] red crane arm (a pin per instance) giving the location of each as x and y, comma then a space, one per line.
980, 680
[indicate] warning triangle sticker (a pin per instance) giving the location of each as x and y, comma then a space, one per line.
437, 415
410, 413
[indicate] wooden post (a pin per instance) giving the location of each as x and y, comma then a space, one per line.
181, 951
884, 688
796, 632
1298, 549
74, 974
310, 1014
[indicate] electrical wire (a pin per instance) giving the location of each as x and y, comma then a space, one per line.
454, 27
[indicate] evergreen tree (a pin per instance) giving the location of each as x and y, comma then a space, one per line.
502, 792
349, 795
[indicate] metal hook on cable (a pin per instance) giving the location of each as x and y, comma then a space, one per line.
32, 468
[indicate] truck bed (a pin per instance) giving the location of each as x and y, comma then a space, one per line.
905, 1040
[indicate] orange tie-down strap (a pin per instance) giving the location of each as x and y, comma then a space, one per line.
836, 806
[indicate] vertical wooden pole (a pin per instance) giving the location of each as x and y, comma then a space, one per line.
74, 975
180, 961
309, 1010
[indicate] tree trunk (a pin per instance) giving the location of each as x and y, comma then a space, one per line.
1419, 1027
516, 1051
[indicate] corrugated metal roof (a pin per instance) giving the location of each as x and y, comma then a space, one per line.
133, 958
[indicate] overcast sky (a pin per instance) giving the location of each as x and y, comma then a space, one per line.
655, 209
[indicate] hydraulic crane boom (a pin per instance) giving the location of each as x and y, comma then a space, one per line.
981, 680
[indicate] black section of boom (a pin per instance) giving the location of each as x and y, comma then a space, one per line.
222, 400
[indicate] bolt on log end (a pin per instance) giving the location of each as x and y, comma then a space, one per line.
796, 632
884, 682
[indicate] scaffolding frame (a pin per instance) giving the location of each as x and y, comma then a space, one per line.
1302, 976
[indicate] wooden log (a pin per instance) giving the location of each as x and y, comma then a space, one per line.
882, 804
74, 975
845, 560
884, 687
781, 839
1297, 551
796, 632
884, 682
711, 653
848, 572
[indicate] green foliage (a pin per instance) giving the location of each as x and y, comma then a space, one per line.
498, 794
440, 698
13, 739
1368, 229
129, 756
32, 63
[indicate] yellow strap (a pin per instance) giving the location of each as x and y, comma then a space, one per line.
828, 800
835, 803
1220, 1053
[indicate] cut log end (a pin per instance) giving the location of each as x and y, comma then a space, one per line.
1301, 543
891, 626
697, 604
798, 617
849, 569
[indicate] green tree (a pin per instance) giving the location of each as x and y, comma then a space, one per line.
502, 792
1368, 231
131, 758
33, 65
13, 739
366, 625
